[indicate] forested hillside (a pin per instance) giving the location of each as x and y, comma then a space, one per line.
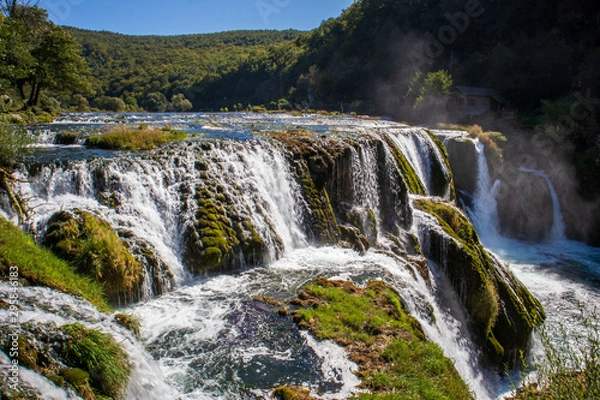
147, 71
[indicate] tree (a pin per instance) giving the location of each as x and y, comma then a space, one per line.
430, 89
59, 66
107, 103
14, 145
180, 104
155, 102
37, 55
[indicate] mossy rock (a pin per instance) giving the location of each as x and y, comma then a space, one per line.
220, 237
394, 358
324, 169
91, 245
502, 312
79, 379
408, 173
66, 138
291, 393
98, 355
130, 322
442, 181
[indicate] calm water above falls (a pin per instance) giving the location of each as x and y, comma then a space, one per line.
207, 337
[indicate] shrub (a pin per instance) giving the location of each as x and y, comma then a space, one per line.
107, 103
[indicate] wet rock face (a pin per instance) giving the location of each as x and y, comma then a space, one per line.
324, 170
525, 207
462, 155
219, 237
502, 312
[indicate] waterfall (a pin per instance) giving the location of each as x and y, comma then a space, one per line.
557, 232
484, 213
152, 197
423, 155
204, 336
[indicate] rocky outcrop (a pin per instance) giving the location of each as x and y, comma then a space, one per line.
524, 206
462, 154
324, 170
502, 312
220, 237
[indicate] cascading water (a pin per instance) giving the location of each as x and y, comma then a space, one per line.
422, 154
485, 212
206, 335
564, 275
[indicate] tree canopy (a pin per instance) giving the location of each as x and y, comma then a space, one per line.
38, 56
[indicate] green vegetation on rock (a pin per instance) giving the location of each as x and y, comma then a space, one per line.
388, 345
441, 181
292, 393
71, 356
39, 266
98, 355
91, 245
412, 179
219, 235
501, 309
122, 137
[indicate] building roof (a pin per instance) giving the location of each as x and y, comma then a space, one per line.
482, 92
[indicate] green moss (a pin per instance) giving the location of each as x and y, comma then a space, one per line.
66, 138
75, 376
502, 309
389, 347
407, 171
41, 267
289, 393
96, 251
130, 322
98, 355
220, 236
323, 221
124, 138
471, 265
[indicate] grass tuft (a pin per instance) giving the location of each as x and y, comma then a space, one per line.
98, 355
122, 137
568, 371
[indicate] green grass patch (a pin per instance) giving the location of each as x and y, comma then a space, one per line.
121, 137
41, 267
395, 359
98, 355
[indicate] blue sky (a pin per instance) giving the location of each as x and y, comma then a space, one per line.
172, 17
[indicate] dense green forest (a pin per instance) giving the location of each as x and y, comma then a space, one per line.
379, 57
147, 71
